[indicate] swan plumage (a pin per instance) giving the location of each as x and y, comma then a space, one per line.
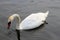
33, 20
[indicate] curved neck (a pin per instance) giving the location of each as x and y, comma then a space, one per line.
18, 18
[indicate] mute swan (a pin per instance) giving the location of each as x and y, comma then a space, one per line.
30, 22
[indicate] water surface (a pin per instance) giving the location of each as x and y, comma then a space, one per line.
50, 31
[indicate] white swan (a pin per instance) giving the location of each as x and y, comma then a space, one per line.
30, 22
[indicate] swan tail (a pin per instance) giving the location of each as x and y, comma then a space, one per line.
46, 13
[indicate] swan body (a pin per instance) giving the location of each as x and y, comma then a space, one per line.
30, 22
33, 21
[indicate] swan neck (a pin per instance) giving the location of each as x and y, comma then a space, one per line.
18, 18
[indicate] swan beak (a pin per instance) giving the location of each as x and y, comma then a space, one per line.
9, 24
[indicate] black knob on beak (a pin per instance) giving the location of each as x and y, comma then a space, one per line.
9, 24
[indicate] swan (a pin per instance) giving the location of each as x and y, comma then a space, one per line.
30, 22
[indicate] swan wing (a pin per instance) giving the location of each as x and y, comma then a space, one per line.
32, 21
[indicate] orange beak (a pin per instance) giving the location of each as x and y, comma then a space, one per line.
9, 24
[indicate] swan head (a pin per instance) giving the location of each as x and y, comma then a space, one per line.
10, 19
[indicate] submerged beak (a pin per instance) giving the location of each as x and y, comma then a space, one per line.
9, 24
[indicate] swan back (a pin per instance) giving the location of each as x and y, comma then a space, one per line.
41, 15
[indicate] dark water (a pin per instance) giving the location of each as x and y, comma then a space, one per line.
50, 31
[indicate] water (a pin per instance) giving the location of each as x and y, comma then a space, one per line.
50, 31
